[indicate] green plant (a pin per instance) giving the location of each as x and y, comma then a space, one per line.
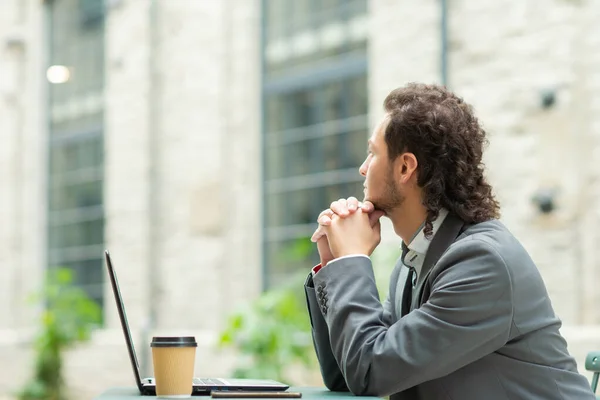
271, 333
68, 317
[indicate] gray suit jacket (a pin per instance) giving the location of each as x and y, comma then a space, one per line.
481, 325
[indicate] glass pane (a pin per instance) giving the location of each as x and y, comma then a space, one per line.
343, 190
332, 151
275, 17
274, 209
358, 96
297, 156
78, 234
333, 102
298, 203
85, 194
273, 114
55, 239
355, 149
331, 4
88, 271
273, 162
66, 157
95, 232
301, 14
73, 235
354, 189
301, 109
76, 152
314, 132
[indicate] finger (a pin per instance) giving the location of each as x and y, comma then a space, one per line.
344, 206
377, 227
367, 206
377, 230
325, 230
318, 234
375, 216
326, 212
352, 203
324, 220
339, 207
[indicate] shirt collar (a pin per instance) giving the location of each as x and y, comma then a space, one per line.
419, 244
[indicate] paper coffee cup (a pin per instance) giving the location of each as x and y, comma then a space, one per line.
173, 360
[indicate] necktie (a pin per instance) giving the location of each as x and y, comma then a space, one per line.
407, 292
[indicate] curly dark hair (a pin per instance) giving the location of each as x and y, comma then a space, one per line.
440, 129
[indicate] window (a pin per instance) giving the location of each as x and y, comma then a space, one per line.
76, 149
315, 121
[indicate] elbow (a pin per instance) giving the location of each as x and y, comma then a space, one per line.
362, 389
357, 381
333, 378
336, 385
361, 377
358, 390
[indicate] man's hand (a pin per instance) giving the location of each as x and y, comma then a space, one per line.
324, 250
353, 234
342, 208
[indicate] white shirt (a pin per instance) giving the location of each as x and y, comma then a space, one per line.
417, 248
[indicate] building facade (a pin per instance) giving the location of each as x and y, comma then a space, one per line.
198, 140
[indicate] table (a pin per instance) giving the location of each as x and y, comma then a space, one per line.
308, 393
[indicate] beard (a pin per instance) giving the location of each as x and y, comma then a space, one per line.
391, 198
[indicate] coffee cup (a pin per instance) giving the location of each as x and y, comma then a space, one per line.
173, 360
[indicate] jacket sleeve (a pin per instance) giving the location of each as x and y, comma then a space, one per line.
467, 316
330, 371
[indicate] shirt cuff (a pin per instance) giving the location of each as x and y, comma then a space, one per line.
318, 267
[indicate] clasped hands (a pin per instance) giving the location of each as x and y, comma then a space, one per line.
347, 227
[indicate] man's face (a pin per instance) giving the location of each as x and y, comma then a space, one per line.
381, 188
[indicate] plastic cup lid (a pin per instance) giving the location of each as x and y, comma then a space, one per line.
173, 341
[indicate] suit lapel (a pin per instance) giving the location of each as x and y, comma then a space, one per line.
444, 237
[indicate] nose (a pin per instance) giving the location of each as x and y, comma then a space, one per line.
365, 166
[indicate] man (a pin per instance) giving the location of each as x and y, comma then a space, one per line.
467, 316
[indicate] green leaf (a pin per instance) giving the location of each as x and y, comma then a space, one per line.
69, 317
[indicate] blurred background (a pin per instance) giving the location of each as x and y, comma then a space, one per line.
198, 140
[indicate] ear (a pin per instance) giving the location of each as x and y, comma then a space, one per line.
406, 167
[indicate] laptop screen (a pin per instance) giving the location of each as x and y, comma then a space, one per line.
123, 317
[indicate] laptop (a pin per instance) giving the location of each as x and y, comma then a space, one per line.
200, 386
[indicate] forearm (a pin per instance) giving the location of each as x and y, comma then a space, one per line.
330, 371
343, 320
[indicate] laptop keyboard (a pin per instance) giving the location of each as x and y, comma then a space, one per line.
208, 382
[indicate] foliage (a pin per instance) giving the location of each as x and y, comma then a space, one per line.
271, 333
68, 317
